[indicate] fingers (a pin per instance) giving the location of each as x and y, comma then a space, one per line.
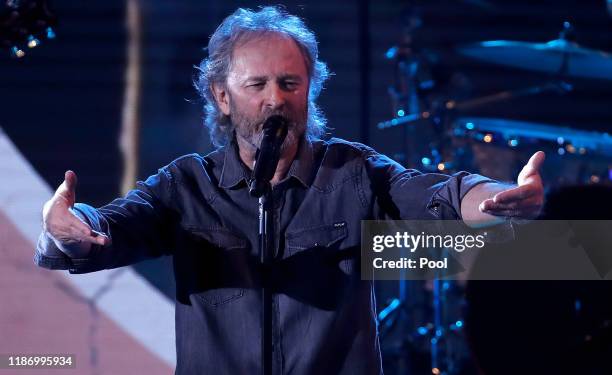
88, 234
70, 229
98, 238
533, 165
525, 212
527, 208
515, 194
525, 200
71, 180
489, 204
64, 226
488, 207
72, 235
67, 189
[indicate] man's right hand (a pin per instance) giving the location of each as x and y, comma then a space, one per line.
69, 233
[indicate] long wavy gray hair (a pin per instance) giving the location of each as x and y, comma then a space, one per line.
245, 23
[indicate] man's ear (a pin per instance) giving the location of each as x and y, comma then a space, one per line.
221, 97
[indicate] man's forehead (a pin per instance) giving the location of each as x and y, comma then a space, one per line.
258, 54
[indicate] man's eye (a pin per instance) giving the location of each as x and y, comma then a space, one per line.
258, 84
291, 85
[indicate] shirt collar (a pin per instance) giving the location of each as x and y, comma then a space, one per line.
302, 166
234, 172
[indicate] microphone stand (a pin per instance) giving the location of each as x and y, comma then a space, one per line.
275, 130
266, 249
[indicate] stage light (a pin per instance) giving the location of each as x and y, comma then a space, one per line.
50, 33
513, 142
17, 52
561, 151
401, 113
441, 166
426, 161
25, 24
391, 52
570, 148
387, 310
488, 138
32, 41
469, 125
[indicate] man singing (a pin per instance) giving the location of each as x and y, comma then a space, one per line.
198, 209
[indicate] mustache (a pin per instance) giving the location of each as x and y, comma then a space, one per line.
287, 116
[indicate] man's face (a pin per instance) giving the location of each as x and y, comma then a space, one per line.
268, 76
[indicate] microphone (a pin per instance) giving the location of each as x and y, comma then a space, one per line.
274, 132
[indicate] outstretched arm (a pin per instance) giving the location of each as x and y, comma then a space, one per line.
81, 238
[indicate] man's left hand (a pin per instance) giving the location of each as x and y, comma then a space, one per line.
523, 201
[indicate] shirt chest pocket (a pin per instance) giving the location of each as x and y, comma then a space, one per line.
326, 236
221, 238
215, 265
330, 244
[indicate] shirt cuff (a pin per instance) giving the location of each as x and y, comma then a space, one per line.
48, 255
469, 181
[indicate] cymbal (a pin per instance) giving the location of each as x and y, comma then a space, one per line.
560, 56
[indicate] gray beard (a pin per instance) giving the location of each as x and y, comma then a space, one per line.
293, 137
251, 130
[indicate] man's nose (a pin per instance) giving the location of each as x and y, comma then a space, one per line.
275, 98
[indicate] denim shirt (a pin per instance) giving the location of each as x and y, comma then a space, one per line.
198, 210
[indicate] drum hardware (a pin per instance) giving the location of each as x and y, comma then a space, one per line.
452, 106
497, 148
433, 328
428, 316
405, 327
443, 154
567, 140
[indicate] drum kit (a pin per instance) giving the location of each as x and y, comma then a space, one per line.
462, 142
422, 329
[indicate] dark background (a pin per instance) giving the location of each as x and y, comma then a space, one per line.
61, 104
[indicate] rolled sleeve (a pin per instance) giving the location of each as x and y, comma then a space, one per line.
451, 191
